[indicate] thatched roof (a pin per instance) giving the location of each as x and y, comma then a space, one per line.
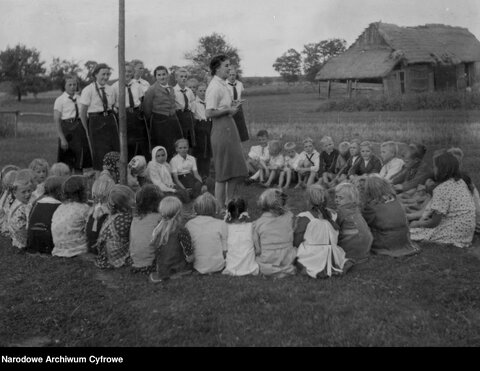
432, 43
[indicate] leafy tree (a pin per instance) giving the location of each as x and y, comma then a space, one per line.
210, 46
89, 67
60, 68
22, 68
289, 65
316, 54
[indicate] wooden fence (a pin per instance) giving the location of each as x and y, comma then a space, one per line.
17, 114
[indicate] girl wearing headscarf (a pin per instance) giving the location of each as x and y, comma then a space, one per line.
111, 166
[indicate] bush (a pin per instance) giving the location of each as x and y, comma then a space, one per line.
408, 102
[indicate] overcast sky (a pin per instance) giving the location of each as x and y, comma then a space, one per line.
161, 31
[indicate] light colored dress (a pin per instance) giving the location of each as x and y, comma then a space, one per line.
68, 229
142, 251
240, 250
273, 240
453, 200
209, 240
319, 252
17, 224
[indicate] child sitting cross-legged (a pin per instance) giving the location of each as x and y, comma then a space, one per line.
39, 239
159, 173
209, 236
386, 218
17, 214
355, 237
275, 163
353, 159
328, 161
184, 170
392, 165
142, 251
240, 250
273, 235
113, 240
70, 218
308, 164
289, 172
316, 236
172, 242
340, 164
257, 159
368, 164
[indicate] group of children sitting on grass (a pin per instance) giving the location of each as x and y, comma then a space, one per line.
356, 204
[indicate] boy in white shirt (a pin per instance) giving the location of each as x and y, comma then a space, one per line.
391, 164
185, 105
139, 69
289, 172
308, 164
258, 158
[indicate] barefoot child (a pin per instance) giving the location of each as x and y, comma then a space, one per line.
240, 249
276, 162
289, 172
308, 164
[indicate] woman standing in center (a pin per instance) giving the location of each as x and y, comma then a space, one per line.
227, 152
160, 109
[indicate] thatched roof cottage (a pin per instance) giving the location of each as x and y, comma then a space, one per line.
408, 59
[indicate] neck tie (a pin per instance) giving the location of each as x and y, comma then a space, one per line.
130, 97
104, 99
235, 93
202, 102
185, 98
74, 100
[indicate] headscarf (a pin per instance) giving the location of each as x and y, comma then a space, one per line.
159, 174
111, 163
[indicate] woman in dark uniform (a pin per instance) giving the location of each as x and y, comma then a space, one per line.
160, 110
228, 158
97, 101
137, 135
73, 148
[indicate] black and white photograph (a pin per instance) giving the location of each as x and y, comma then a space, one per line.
227, 173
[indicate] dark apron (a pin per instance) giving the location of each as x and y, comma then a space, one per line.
103, 131
187, 123
77, 156
239, 119
137, 135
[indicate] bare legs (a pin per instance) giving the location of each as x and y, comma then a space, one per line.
225, 191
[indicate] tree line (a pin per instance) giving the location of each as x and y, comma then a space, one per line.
24, 71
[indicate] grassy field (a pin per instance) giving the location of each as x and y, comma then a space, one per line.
432, 299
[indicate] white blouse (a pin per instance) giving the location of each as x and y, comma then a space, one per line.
218, 96
66, 106
92, 99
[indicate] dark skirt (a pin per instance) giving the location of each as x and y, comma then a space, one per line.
165, 131
203, 148
187, 123
239, 118
137, 135
227, 152
104, 137
77, 156
39, 232
170, 258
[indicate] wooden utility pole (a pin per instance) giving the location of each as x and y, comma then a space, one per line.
122, 112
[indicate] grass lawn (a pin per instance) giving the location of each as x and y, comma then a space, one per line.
432, 299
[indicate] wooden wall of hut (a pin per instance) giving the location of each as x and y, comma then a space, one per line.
419, 78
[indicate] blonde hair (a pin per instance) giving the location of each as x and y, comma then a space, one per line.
350, 191
344, 146
289, 146
24, 178
366, 144
39, 163
274, 148
59, 169
6, 169
180, 70
392, 147
182, 140
101, 189
307, 140
317, 197
205, 204
326, 139
170, 210
121, 199
378, 189
273, 200
9, 179
458, 153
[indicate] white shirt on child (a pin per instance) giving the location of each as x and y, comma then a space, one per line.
276, 163
238, 86
240, 250
144, 84
66, 106
180, 99
135, 88
182, 166
199, 110
91, 97
391, 168
291, 162
259, 153
309, 161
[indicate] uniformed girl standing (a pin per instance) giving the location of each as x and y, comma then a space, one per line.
97, 101
236, 89
203, 130
73, 148
137, 136
185, 102
159, 107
